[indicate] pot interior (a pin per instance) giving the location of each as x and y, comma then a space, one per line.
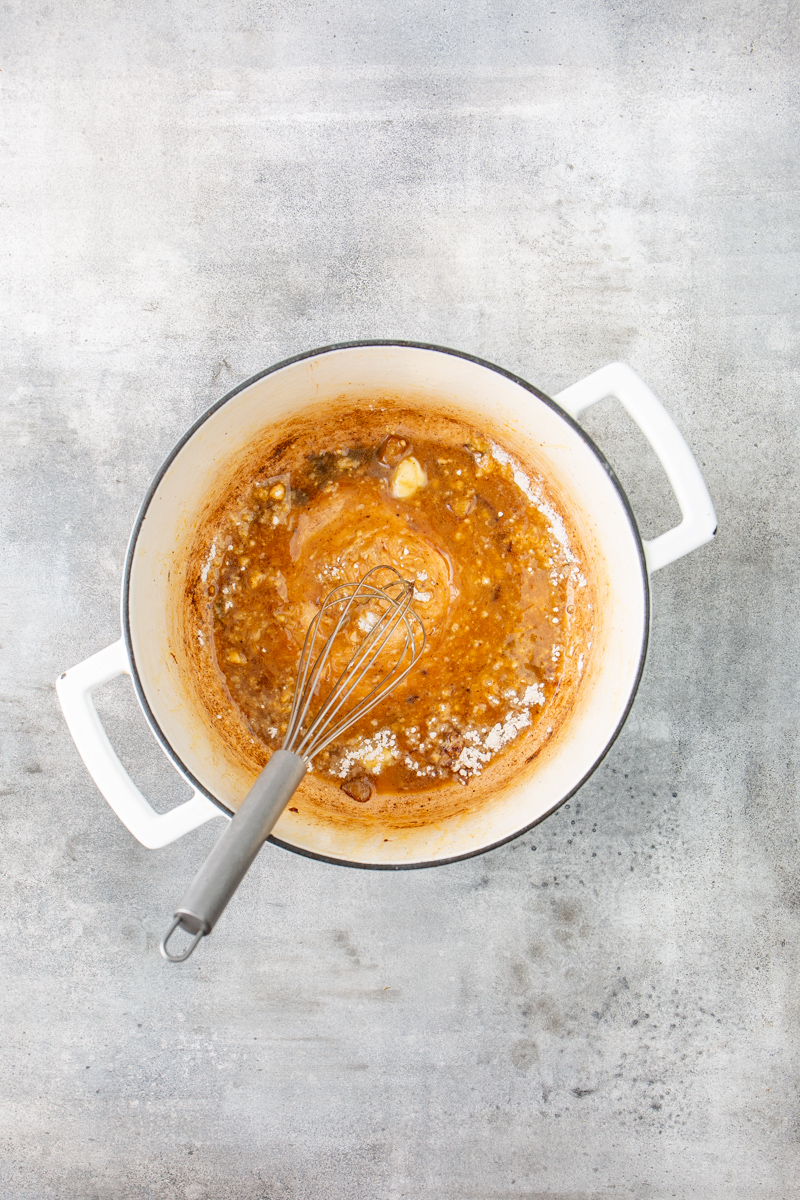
177, 702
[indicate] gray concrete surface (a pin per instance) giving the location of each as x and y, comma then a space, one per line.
607, 1007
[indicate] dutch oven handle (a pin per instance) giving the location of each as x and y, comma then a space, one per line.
699, 522
152, 829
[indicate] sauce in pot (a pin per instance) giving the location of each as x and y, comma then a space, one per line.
499, 586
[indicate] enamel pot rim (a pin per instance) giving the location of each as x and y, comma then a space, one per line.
337, 346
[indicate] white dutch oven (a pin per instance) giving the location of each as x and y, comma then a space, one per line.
542, 431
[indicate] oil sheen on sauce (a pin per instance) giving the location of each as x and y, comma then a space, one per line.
498, 585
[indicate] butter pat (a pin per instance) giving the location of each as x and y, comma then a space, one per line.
407, 478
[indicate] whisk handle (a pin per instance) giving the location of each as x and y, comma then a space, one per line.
232, 856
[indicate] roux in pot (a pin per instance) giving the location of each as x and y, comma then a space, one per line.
499, 585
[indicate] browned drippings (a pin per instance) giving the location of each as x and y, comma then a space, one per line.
499, 586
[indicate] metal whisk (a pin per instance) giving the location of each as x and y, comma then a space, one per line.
388, 633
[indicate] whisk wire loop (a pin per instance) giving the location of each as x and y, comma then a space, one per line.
360, 662
373, 697
396, 611
304, 694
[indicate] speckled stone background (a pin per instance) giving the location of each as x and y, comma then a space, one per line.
607, 1007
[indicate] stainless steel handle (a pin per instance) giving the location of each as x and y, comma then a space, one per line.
232, 856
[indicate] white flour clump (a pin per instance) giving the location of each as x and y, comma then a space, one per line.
482, 744
557, 527
373, 754
209, 561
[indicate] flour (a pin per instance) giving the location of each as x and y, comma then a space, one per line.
209, 561
557, 526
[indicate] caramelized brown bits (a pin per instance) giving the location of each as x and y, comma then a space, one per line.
393, 449
358, 788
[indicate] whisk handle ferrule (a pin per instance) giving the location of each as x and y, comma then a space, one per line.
232, 856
